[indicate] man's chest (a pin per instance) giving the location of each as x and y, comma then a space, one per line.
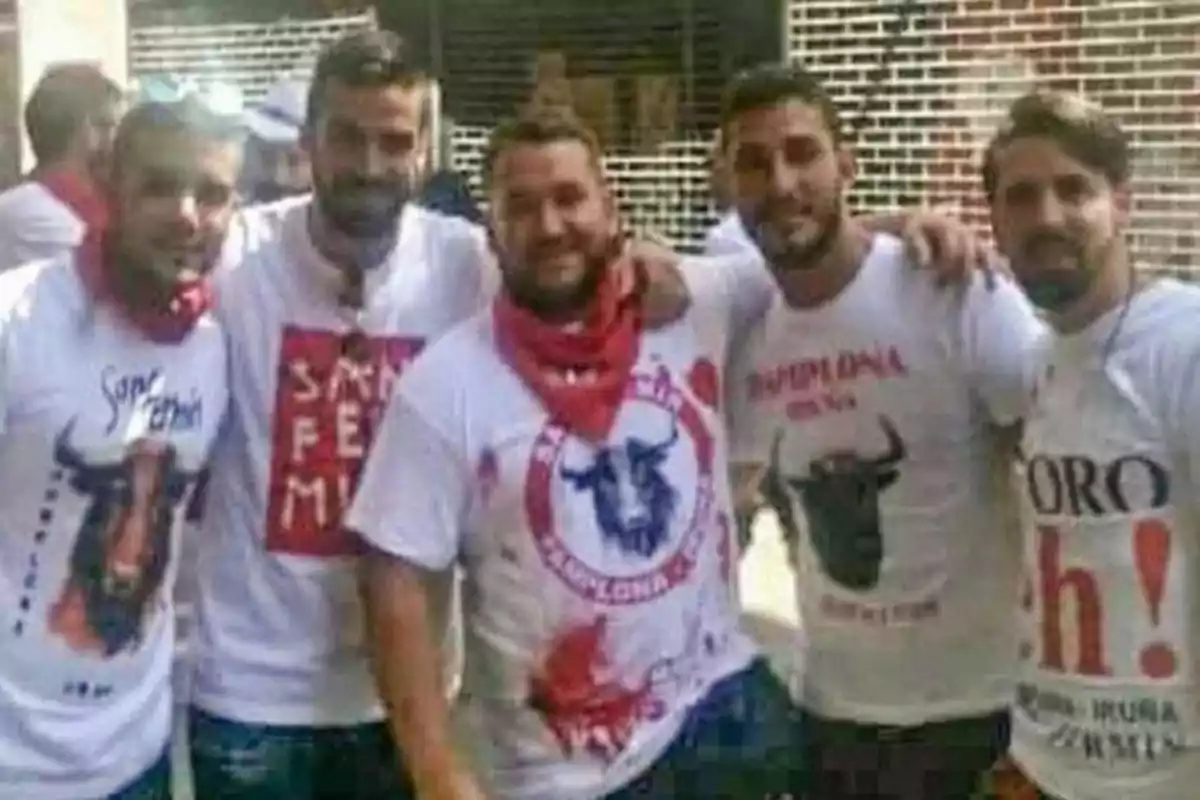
868, 388
100, 397
615, 522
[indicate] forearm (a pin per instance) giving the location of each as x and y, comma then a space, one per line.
408, 670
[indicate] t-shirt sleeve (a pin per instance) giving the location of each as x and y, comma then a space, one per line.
726, 238
477, 278
1180, 379
414, 491
999, 331
734, 290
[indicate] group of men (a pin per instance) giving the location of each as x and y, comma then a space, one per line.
534, 431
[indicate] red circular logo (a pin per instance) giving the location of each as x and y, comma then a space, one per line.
629, 468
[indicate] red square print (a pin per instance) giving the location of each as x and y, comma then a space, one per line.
331, 391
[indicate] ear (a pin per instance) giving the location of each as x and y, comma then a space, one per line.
1122, 204
847, 164
611, 211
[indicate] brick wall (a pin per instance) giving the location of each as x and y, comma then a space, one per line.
961, 61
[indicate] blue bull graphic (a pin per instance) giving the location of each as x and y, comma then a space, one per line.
840, 498
634, 503
123, 547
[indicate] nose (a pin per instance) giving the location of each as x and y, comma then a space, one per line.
550, 222
374, 163
782, 179
187, 213
1051, 212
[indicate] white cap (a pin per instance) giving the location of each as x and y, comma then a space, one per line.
279, 116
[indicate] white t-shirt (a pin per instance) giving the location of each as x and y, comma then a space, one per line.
890, 396
101, 436
1108, 701
34, 224
727, 237
598, 596
279, 637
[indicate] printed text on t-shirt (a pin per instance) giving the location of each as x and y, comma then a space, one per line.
1104, 532
824, 384
328, 398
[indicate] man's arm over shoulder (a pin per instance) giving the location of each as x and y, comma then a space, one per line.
736, 290
1000, 331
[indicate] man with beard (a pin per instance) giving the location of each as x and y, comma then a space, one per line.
326, 298
584, 496
113, 377
69, 118
1106, 706
878, 400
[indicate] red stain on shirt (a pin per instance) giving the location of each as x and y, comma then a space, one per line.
576, 696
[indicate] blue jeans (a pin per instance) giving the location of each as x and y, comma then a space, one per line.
238, 761
738, 743
153, 784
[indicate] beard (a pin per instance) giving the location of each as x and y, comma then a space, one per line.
783, 250
362, 208
523, 286
1054, 289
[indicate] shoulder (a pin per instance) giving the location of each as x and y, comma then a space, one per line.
449, 238
727, 236
40, 291
31, 204
436, 382
255, 231
1169, 315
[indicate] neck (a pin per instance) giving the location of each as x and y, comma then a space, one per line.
344, 250
818, 283
1111, 288
70, 164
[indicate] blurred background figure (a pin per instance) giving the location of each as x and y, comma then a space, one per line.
276, 165
70, 119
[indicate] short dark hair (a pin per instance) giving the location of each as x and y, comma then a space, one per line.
186, 117
66, 97
365, 58
773, 84
1080, 128
544, 125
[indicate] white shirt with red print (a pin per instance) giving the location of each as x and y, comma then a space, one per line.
102, 436
279, 635
878, 408
598, 597
1108, 698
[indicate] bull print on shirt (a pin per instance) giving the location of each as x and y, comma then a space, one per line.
633, 500
624, 522
840, 497
123, 546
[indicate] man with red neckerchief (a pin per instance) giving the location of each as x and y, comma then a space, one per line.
584, 495
69, 118
112, 387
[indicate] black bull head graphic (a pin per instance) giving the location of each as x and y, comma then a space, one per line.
123, 546
840, 498
633, 500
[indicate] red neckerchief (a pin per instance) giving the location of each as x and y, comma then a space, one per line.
190, 299
78, 194
580, 376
